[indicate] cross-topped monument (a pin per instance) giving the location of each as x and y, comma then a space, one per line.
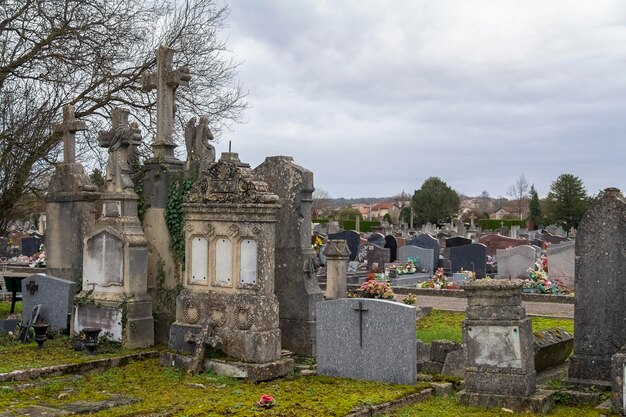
121, 141
360, 310
67, 128
165, 80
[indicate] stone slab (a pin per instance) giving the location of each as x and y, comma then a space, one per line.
561, 262
426, 241
353, 340
426, 256
552, 347
470, 257
541, 402
515, 262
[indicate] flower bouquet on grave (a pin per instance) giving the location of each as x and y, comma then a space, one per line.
40, 261
439, 282
266, 402
539, 280
376, 289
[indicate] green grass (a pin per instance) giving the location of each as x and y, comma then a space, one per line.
448, 407
5, 307
446, 325
166, 391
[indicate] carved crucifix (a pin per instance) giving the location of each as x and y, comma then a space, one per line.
122, 141
165, 80
361, 310
202, 340
67, 128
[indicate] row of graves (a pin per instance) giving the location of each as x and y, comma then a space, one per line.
249, 288
411, 260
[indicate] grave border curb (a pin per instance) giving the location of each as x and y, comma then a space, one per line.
76, 368
373, 410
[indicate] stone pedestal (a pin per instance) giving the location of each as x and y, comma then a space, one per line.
229, 275
337, 257
297, 288
500, 360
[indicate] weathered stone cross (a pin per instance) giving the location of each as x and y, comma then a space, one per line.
361, 310
202, 340
165, 80
67, 129
121, 141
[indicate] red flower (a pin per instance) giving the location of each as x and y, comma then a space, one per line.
266, 400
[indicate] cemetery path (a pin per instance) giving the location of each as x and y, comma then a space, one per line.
533, 308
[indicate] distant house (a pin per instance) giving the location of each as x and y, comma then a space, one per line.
379, 210
500, 214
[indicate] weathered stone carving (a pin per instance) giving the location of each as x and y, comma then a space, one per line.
197, 138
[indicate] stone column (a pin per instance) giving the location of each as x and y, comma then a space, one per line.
337, 257
72, 206
500, 367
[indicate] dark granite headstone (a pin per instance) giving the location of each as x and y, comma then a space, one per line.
377, 239
392, 244
425, 256
472, 257
373, 254
599, 330
426, 241
30, 245
351, 237
455, 241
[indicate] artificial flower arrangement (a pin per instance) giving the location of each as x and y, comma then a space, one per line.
539, 280
39, 261
375, 289
266, 401
410, 299
439, 281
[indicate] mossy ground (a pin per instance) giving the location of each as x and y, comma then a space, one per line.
167, 390
448, 407
446, 325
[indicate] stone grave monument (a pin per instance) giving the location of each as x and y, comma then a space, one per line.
353, 340
500, 369
599, 330
114, 295
515, 262
54, 295
161, 170
228, 293
297, 287
426, 241
561, 262
71, 205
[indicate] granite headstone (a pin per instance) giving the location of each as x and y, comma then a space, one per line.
351, 237
471, 257
561, 262
391, 243
353, 338
456, 241
425, 256
426, 241
55, 295
515, 262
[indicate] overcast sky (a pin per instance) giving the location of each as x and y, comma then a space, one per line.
374, 97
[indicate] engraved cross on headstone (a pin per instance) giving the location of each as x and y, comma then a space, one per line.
165, 80
361, 310
121, 140
67, 129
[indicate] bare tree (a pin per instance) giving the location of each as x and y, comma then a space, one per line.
320, 202
519, 194
92, 53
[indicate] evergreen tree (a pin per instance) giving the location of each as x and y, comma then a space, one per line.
534, 207
567, 201
435, 202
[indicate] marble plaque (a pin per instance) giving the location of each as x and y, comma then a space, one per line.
494, 346
223, 261
104, 265
247, 274
199, 260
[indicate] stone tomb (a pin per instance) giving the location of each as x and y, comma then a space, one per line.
599, 330
114, 296
352, 238
337, 254
55, 295
424, 255
515, 262
427, 242
471, 257
500, 359
353, 338
229, 276
561, 262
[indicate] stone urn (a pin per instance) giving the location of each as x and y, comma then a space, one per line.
91, 339
41, 330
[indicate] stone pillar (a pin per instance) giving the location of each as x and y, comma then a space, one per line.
337, 257
72, 206
114, 295
297, 288
500, 368
600, 269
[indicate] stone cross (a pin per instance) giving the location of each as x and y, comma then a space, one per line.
202, 340
361, 310
121, 140
165, 80
67, 129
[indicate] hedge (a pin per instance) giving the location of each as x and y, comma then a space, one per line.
495, 224
364, 225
